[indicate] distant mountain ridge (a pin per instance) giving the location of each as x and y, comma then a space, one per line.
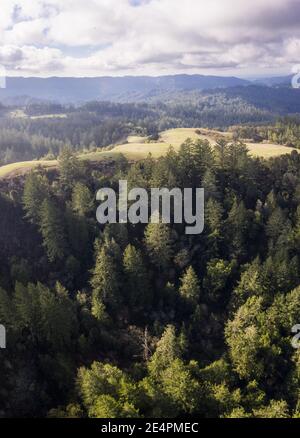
277, 81
118, 89
277, 99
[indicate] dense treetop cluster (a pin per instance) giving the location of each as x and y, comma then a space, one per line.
145, 321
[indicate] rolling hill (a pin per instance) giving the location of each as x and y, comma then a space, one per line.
138, 148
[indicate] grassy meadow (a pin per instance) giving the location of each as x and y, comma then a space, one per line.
137, 148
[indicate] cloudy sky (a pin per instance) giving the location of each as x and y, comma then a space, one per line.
156, 37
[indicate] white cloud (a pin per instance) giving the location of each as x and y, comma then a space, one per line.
96, 37
31, 59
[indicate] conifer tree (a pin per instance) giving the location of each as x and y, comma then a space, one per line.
105, 284
186, 165
35, 193
213, 218
52, 230
167, 350
203, 159
237, 227
209, 184
82, 199
218, 272
137, 282
250, 284
70, 168
159, 244
106, 392
190, 287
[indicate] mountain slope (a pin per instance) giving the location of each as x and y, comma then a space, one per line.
122, 89
279, 81
276, 100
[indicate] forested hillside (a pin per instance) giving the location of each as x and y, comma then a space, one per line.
40, 130
286, 131
145, 321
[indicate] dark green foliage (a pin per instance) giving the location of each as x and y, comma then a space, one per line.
35, 193
126, 320
105, 283
190, 288
159, 243
137, 287
53, 231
